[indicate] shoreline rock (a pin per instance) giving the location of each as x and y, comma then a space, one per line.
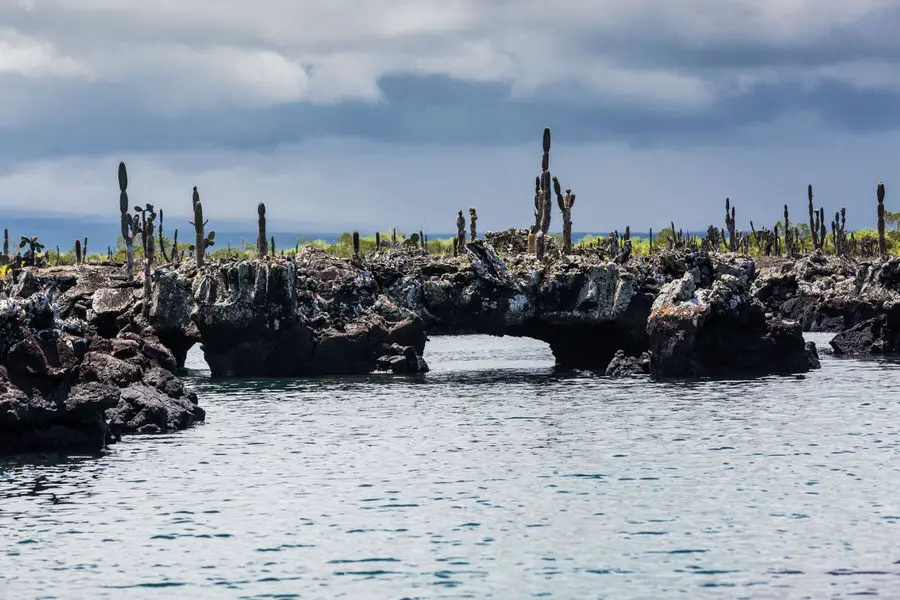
63, 388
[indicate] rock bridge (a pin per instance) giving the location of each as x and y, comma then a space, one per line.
316, 314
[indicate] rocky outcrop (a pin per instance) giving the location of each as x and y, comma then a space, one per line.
584, 310
626, 366
702, 327
826, 293
403, 360
65, 388
310, 315
692, 311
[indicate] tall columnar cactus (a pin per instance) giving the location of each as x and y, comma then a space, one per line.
175, 255
6, 242
355, 245
149, 255
77, 252
57, 256
421, 240
261, 241
565, 207
377, 241
473, 217
651, 240
274, 252
546, 204
813, 219
394, 237
128, 224
538, 204
882, 244
730, 224
823, 228
202, 241
788, 242
162, 241
460, 233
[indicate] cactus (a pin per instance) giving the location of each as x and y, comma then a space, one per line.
651, 240
455, 243
473, 217
538, 203
109, 253
34, 246
128, 229
175, 254
57, 256
730, 224
625, 249
394, 236
546, 182
261, 242
565, 207
6, 243
460, 233
882, 245
788, 242
356, 245
377, 241
162, 241
202, 241
823, 229
813, 228
77, 252
272, 246
147, 216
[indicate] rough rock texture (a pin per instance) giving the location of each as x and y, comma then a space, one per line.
860, 300
625, 366
65, 388
312, 315
401, 360
825, 293
708, 324
585, 311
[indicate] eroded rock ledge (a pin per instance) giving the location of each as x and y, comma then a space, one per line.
64, 387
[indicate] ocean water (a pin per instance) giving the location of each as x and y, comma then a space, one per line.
490, 477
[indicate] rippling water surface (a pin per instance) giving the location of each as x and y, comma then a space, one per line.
489, 477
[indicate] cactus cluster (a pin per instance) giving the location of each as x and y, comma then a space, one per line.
34, 247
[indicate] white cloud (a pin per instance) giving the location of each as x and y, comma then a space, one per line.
26, 56
180, 56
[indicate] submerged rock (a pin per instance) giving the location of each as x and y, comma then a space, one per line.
625, 366
401, 360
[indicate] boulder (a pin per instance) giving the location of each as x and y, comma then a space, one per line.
626, 366
720, 331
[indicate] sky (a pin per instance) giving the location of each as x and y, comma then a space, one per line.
372, 114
